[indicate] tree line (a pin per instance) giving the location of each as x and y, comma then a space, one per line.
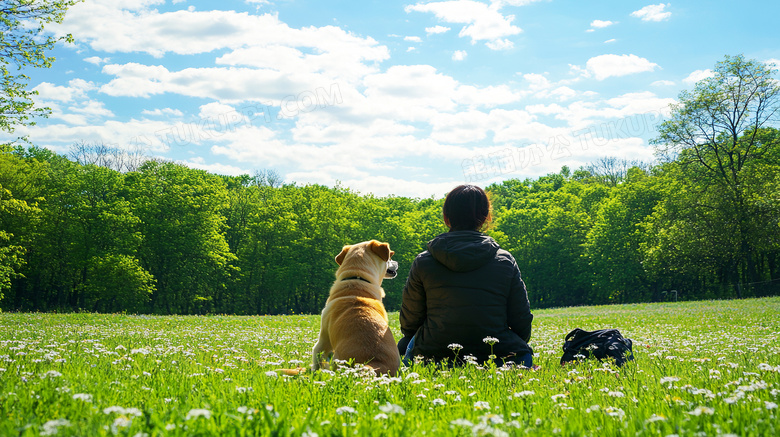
108, 231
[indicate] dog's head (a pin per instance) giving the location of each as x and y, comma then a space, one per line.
369, 255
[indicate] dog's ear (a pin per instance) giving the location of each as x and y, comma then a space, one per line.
340, 257
381, 249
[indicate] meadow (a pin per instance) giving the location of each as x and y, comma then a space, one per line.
701, 369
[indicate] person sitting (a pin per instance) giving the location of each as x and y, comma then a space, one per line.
464, 296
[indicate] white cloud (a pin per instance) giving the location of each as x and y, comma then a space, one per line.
653, 13
250, 40
500, 44
605, 66
610, 41
697, 75
482, 22
459, 55
600, 24
163, 111
76, 89
216, 168
662, 83
96, 60
436, 29
413, 39
774, 63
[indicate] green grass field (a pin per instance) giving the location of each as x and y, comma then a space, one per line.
702, 368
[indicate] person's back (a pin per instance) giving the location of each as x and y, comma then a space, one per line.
465, 289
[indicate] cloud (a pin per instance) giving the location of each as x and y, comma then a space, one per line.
482, 22
96, 60
163, 112
697, 75
662, 83
500, 44
459, 55
436, 29
413, 39
653, 13
605, 66
600, 24
609, 41
216, 168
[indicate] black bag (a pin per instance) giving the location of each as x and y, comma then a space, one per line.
601, 344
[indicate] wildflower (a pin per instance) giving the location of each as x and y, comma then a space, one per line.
615, 412
455, 346
698, 411
120, 348
439, 401
413, 375
120, 422
170, 427
493, 418
655, 418
271, 374
51, 374
481, 405
83, 397
198, 412
142, 351
770, 405
558, 396
524, 393
616, 394
392, 408
51, 427
462, 422
342, 410
380, 416
490, 340
123, 411
669, 379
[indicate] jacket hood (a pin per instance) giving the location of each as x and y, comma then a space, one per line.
463, 251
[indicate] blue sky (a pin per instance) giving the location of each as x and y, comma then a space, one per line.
402, 98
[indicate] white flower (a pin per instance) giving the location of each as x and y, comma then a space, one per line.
413, 375
669, 379
524, 393
490, 340
770, 405
342, 410
120, 348
558, 396
51, 427
121, 422
698, 411
481, 405
272, 374
655, 418
461, 422
170, 427
51, 374
380, 416
125, 411
392, 409
455, 346
83, 397
616, 394
141, 350
615, 412
438, 401
198, 412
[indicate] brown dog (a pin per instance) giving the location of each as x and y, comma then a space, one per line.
354, 321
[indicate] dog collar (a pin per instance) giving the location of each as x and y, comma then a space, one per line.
356, 277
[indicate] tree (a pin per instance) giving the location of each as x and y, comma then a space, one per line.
23, 44
715, 134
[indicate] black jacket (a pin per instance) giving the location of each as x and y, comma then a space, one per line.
462, 289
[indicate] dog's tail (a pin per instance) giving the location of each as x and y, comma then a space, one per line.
292, 372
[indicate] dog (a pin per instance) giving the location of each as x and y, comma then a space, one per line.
354, 324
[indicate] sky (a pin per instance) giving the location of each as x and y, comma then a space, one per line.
382, 97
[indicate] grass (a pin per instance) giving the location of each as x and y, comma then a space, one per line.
701, 368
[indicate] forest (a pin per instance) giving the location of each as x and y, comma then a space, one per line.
103, 231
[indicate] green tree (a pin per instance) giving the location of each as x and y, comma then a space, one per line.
715, 134
23, 44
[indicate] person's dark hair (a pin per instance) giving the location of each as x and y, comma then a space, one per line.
467, 208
